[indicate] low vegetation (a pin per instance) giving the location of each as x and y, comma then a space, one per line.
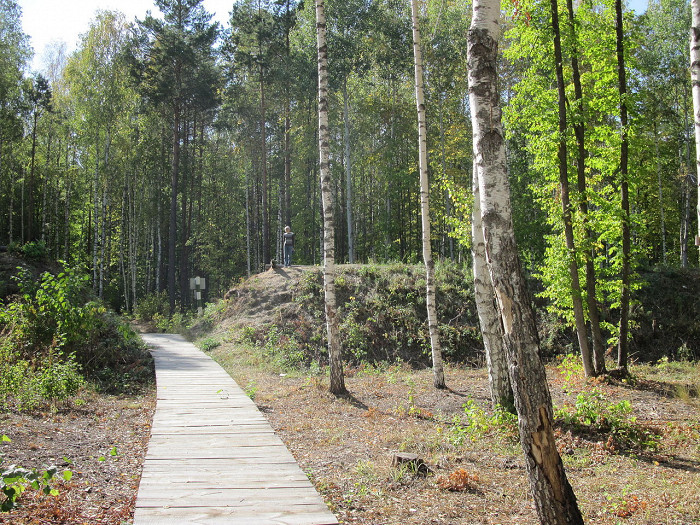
65, 361
631, 447
55, 338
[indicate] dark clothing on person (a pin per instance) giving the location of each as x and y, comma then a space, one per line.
288, 248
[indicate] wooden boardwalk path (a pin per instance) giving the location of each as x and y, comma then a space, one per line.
213, 458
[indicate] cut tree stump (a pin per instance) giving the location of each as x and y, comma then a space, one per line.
414, 462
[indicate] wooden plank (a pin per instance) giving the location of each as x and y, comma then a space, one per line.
213, 458
235, 516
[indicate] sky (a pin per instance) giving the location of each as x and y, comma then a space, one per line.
47, 21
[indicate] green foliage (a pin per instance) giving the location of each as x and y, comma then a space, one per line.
593, 412
152, 305
571, 367
15, 480
477, 423
35, 250
208, 344
53, 335
251, 389
383, 316
280, 348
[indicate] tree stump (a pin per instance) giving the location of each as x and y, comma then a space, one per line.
414, 462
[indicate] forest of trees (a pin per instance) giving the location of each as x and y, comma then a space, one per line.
172, 147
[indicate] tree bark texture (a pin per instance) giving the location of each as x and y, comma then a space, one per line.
263, 160
695, 80
438, 372
555, 501
622, 349
172, 228
562, 151
489, 317
337, 380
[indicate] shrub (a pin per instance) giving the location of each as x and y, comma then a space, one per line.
593, 412
152, 305
53, 334
383, 316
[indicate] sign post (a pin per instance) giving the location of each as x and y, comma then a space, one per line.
197, 284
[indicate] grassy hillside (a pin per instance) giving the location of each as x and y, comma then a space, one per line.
383, 319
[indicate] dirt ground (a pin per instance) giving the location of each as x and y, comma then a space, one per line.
101, 439
346, 445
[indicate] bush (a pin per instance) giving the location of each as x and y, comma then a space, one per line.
593, 412
383, 315
35, 250
53, 335
152, 305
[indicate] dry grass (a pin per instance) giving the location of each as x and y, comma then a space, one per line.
346, 446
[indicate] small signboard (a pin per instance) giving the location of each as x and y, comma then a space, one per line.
197, 284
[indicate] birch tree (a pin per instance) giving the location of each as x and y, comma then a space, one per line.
489, 320
438, 373
555, 501
337, 381
695, 79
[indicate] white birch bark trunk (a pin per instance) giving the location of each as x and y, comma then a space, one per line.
554, 499
438, 372
695, 81
337, 381
489, 317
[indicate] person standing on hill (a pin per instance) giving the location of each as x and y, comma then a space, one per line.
288, 246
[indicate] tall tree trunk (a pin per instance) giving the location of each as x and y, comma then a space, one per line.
11, 215
576, 298
554, 498
348, 172
695, 80
438, 372
448, 239
489, 317
579, 133
287, 136
263, 160
337, 381
66, 219
172, 228
287, 163
247, 224
662, 215
103, 242
95, 207
32, 181
622, 349
45, 186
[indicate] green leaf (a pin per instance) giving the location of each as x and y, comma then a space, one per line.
102, 458
5, 439
67, 475
113, 452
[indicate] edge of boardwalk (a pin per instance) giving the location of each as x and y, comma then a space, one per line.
213, 458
